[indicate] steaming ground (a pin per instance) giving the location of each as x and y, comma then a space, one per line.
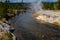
26, 28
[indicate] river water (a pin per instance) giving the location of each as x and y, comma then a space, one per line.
27, 28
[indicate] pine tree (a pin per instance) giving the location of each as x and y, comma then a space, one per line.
7, 1
6, 7
58, 4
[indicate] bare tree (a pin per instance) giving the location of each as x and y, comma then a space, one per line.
7, 1
22, 1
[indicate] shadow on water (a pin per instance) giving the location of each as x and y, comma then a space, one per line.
26, 28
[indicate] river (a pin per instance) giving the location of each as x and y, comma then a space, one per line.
27, 28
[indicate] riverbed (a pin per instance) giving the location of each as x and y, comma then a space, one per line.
27, 28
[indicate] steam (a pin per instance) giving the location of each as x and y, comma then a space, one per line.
37, 6
50, 15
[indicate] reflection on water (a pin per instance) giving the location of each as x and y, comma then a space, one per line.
26, 28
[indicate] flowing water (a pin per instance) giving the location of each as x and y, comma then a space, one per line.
27, 28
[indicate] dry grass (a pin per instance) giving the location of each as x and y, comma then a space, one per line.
4, 35
56, 23
56, 10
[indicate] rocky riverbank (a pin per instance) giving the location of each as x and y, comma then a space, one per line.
6, 29
6, 25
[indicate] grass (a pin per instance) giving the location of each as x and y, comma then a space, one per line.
6, 36
57, 24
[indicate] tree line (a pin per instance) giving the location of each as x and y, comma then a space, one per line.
51, 5
4, 6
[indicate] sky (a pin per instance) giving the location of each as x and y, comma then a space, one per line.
30, 0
